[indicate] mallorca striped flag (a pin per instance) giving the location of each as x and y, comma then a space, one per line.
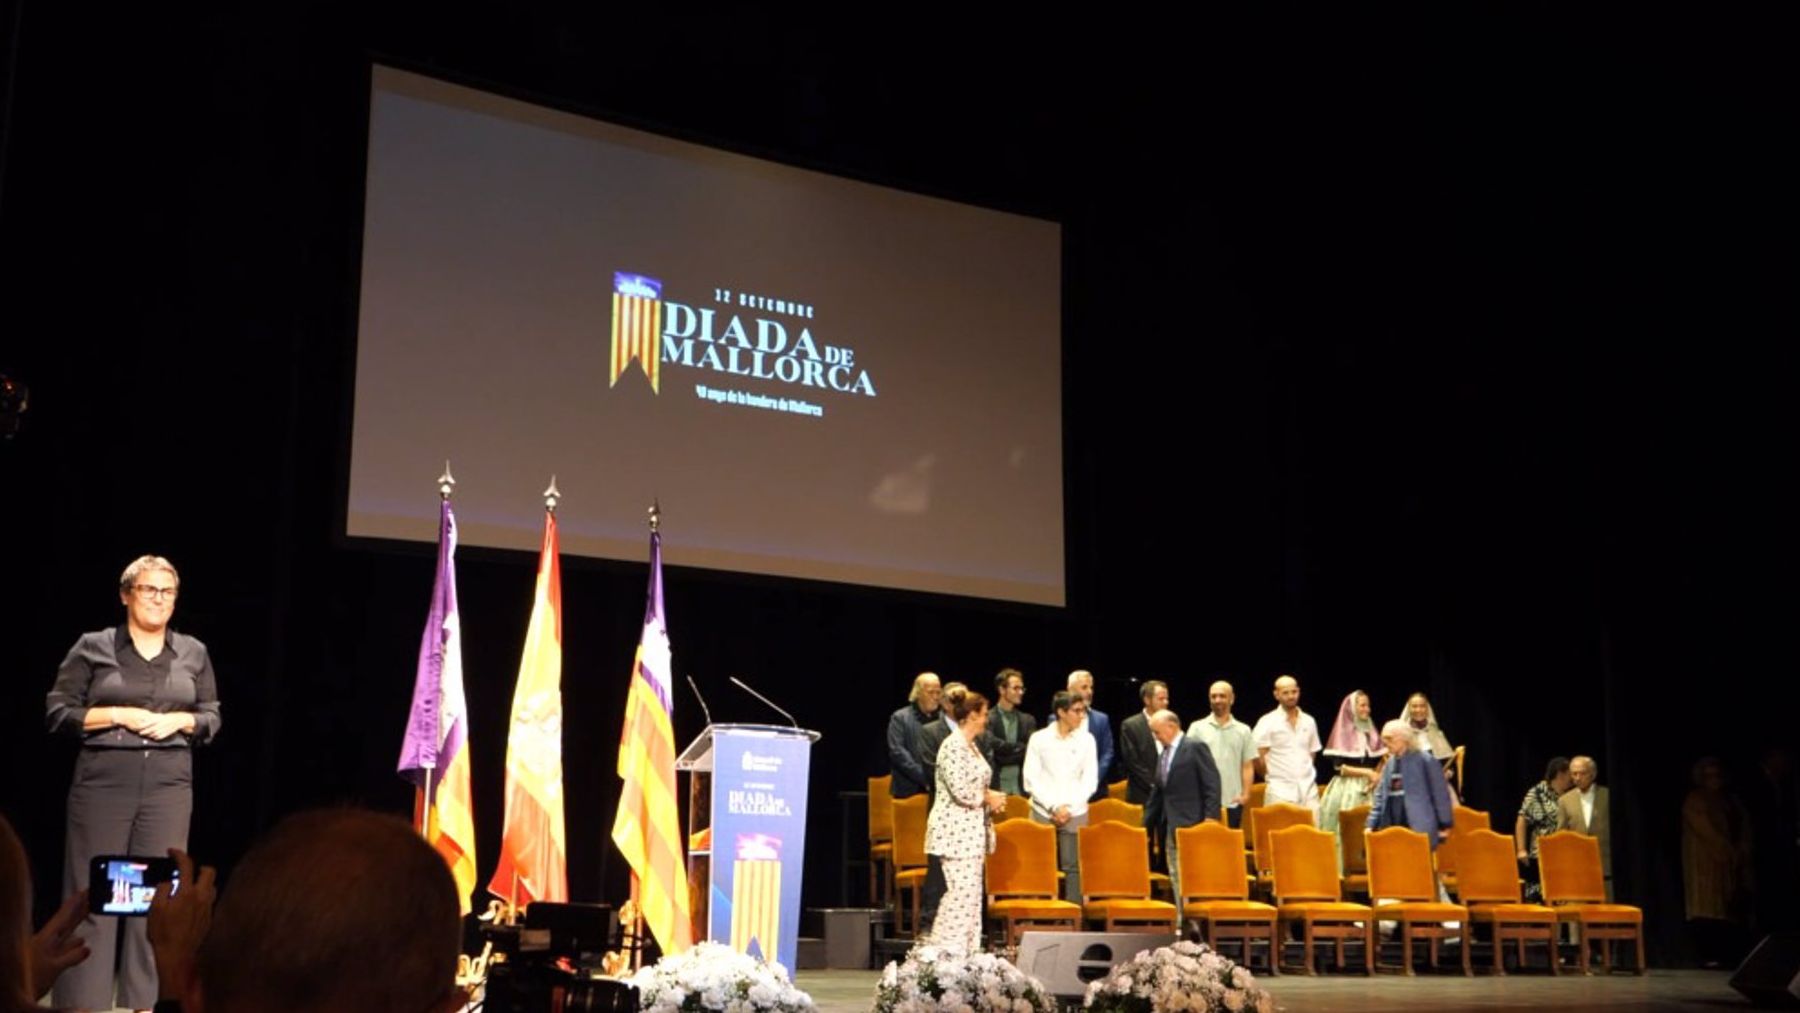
646, 829
637, 326
533, 849
435, 754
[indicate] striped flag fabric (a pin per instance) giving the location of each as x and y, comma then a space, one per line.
435, 753
647, 830
533, 847
637, 327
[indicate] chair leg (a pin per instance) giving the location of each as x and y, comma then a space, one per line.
1274, 952
1606, 963
1499, 951
1468, 937
1306, 936
1581, 947
1640, 950
1406, 955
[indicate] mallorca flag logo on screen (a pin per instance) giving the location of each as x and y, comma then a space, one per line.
636, 326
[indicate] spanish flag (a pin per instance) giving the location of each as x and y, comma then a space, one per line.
647, 830
435, 753
534, 849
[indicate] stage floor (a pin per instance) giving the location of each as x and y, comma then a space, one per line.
1658, 991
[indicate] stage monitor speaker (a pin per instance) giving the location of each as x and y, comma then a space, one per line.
1066, 961
1770, 975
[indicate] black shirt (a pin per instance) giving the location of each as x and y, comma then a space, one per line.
104, 669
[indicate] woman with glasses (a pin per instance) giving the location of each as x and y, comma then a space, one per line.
139, 696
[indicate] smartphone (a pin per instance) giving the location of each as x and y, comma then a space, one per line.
124, 884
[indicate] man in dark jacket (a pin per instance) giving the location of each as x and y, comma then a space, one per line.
1411, 791
1009, 727
903, 736
1137, 744
1186, 791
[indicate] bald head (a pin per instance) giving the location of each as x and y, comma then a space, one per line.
336, 909
1287, 692
1220, 696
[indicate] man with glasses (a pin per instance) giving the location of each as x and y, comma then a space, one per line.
139, 697
1061, 772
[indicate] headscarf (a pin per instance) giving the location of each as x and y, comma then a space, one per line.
1352, 736
1430, 738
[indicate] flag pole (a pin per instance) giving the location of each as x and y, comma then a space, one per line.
445, 483
637, 907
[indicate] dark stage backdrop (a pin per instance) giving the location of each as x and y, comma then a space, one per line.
1448, 355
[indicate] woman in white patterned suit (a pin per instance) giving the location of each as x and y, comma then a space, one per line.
957, 829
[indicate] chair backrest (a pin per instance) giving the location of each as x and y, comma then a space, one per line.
881, 809
1570, 864
1351, 824
909, 832
1114, 861
1113, 810
1489, 868
1274, 818
1119, 790
1400, 865
1018, 807
1305, 865
1212, 863
1456, 764
1258, 792
1466, 819
1024, 860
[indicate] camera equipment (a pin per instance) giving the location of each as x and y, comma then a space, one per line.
549, 963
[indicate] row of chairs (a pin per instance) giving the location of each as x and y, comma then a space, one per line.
1119, 890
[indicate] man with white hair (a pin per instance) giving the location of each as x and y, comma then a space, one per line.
904, 731
1097, 724
1286, 739
1585, 809
1185, 791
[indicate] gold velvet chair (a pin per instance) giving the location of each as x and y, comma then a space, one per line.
1115, 879
1353, 844
1490, 890
881, 837
1400, 870
1215, 891
1308, 892
1576, 888
909, 858
1022, 881
1271, 819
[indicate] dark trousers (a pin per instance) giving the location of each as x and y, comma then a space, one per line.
121, 802
1234, 817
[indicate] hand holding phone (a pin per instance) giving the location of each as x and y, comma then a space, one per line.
123, 884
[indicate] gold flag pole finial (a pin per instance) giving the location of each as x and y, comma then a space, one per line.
446, 481
551, 495
655, 513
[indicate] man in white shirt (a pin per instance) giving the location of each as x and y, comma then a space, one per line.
1096, 723
1061, 772
1286, 739
1233, 748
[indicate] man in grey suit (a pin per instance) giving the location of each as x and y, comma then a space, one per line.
1585, 809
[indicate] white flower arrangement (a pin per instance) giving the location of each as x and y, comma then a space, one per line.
932, 980
713, 976
1173, 979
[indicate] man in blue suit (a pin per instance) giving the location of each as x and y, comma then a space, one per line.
1186, 789
1411, 791
1081, 681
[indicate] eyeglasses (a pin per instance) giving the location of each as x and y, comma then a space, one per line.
153, 593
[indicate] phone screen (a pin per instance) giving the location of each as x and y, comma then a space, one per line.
124, 884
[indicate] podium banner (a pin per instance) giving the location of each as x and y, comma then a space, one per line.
758, 841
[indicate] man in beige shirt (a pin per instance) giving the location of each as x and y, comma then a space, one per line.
1584, 809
